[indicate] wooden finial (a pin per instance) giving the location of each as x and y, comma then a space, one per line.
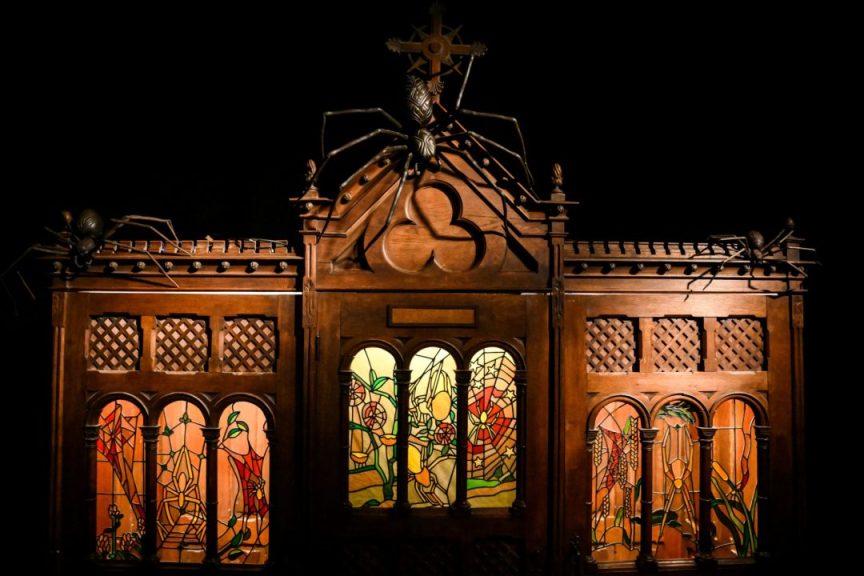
557, 176
311, 169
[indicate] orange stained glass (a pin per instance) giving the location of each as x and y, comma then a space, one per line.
181, 484
119, 482
372, 429
244, 485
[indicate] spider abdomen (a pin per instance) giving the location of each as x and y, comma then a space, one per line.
424, 144
419, 101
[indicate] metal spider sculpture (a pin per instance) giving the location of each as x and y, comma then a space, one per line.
429, 129
86, 234
754, 249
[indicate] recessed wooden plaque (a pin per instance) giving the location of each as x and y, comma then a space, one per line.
430, 316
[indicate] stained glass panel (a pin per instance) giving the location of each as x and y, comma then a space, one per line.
244, 485
432, 429
119, 482
181, 481
616, 484
734, 477
492, 423
676, 482
372, 429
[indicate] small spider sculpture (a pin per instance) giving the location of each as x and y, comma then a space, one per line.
754, 249
86, 234
430, 128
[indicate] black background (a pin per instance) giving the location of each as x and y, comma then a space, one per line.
668, 125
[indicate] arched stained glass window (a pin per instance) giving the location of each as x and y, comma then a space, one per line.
372, 429
734, 477
432, 443
492, 420
675, 518
616, 484
244, 485
181, 481
119, 482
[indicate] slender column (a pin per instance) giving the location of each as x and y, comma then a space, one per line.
150, 434
344, 431
463, 380
211, 441
706, 447
646, 561
590, 439
273, 554
521, 381
91, 434
403, 378
763, 495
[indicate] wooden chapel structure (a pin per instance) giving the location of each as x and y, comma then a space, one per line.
439, 382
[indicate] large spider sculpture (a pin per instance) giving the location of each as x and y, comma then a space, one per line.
429, 129
754, 249
84, 235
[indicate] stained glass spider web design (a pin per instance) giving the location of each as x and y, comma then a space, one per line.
492, 421
734, 477
675, 518
181, 480
617, 484
432, 414
119, 482
244, 486
372, 429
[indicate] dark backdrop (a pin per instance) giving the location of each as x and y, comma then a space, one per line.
668, 126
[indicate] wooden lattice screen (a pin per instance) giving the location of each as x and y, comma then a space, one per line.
114, 343
610, 345
249, 345
740, 344
182, 345
677, 345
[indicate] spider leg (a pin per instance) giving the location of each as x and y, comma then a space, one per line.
145, 252
485, 140
396, 195
132, 220
796, 268
778, 240
333, 153
714, 275
329, 114
385, 152
464, 83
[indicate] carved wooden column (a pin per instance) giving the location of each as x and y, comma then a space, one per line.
519, 505
463, 380
345, 379
590, 439
211, 440
706, 447
150, 434
403, 379
646, 561
763, 461
91, 434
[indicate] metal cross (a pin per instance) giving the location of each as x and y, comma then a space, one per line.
435, 46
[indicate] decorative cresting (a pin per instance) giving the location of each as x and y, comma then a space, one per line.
677, 345
249, 345
494, 557
182, 345
610, 345
740, 344
114, 343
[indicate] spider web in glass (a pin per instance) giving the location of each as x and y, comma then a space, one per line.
616, 484
119, 482
181, 481
675, 518
372, 429
492, 429
244, 486
734, 481
432, 429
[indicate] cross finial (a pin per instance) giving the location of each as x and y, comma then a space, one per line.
435, 47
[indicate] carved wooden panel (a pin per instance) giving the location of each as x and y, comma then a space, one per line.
610, 345
429, 559
677, 345
361, 558
740, 344
249, 345
114, 344
182, 345
494, 556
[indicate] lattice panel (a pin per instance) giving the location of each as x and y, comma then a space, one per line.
610, 345
362, 559
677, 345
114, 344
429, 559
249, 345
494, 558
182, 345
740, 344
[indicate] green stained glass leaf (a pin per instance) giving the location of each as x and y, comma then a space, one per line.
232, 521
242, 425
233, 416
625, 537
167, 431
247, 534
234, 554
379, 382
637, 490
373, 376
237, 540
619, 517
234, 433
627, 425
